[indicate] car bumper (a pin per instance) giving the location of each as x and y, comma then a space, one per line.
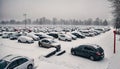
100, 57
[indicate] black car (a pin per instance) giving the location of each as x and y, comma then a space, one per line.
55, 35
78, 35
91, 51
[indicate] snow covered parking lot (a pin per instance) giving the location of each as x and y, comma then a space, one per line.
65, 61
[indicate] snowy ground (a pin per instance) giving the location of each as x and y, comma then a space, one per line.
65, 61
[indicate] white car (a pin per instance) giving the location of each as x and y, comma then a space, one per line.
73, 36
16, 62
64, 37
36, 38
6, 34
25, 39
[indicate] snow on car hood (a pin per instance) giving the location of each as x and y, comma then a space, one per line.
55, 44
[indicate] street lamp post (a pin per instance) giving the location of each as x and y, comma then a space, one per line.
114, 51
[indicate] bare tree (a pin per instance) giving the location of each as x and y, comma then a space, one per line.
116, 12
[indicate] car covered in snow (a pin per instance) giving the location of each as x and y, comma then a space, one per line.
88, 33
14, 35
48, 43
91, 51
78, 34
36, 38
64, 37
73, 36
16, 62
6, 34
25, 39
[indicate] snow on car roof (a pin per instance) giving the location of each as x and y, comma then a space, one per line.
11, 57
26, 37
47, 39
93, 45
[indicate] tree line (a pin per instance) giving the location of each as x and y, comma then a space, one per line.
55, 21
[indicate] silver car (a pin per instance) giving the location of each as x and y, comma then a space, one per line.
16, 62
48, 43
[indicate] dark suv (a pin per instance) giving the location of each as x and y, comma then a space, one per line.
92, 51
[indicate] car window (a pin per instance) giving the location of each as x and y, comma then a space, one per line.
62, 35
80, 47
100, 49
88, 48
3, 64
13, 65
46, 41
22, 60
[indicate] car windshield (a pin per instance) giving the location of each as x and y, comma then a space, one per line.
3, 64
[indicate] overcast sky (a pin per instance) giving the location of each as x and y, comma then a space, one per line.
68, 9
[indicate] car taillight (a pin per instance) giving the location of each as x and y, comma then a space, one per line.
98, 53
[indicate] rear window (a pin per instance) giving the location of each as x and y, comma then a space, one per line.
100, 50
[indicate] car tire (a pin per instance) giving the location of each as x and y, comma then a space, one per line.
59, 39
19, 40
39, 44
30, 66
27, 42
92, 58
66, 40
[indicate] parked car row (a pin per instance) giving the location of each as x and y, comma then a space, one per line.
42, 28
66, 34
47, 39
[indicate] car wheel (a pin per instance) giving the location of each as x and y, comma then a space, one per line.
92, 58
66, 40
59, 39
27, 42
30, 66
19, 40
39, 44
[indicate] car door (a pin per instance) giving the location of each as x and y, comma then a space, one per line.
80, 51
22, 63
22, 39
88, 51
